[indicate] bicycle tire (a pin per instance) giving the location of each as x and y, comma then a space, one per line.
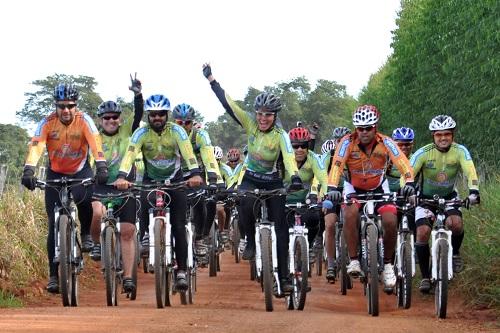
441, 289
236, 240
160, 268
110, 276
267, 274
300, 276
342, 265
253, 270
319, 261
65, 276
212, 252
137, 259
372, 279
191, 284
404, 294
74, 289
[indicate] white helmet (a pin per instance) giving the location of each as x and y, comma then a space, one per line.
442, 122
327, 146
365, 115
218, 152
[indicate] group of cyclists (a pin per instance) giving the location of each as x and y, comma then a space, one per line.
172, 147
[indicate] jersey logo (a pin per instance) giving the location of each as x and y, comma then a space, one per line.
138, 134
54, 135
343, 148
390, 144
179, 130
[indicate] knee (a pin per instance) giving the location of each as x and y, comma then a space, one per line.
455, 223
127, 231
423, 230
389, 221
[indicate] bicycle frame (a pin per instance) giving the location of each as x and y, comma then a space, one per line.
298, 230
264, 223
163, 213
439, 232
404, 230
370, 218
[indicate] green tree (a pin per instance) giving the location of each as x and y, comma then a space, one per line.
40, 103
13, 147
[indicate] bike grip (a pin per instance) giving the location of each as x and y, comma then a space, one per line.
327, 204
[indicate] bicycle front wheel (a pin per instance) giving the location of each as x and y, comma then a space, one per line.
212, 251
133, 294
65, 276
372, 278
160, 264
301, 273
345, 279
441, 290
110, 275
236, 240
405, 282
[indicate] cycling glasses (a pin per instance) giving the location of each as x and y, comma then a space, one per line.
303, 145
115, 117
183, 122
365, 128
264, 114
154, 114
65, 106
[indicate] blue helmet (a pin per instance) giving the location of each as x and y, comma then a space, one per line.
403, 133
65, 92
157, 103
183, 111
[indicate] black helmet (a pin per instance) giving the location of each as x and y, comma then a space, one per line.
65, 92
267, 101
108, 107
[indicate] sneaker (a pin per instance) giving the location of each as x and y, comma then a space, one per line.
128, 285
53, 285
242, 245
458, 263
224, 236
425, 286
354, 268
181, 281
249, 252
318, 243
312, 256
389, 277
286, 285
145, 244
331, 273
95, 254
87, 243
200, 248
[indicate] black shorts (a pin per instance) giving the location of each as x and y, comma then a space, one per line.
124, 209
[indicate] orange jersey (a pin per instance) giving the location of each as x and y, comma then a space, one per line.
67, 146
367, 172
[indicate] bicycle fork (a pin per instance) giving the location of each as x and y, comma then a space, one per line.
400, 244
437, 235
168, 241
189, 235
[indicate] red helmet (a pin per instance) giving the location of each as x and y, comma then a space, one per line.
233, 155
299, 134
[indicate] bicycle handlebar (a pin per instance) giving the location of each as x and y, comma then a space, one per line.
61, 182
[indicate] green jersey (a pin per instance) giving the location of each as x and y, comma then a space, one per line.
162, 152
312, 168
438, 171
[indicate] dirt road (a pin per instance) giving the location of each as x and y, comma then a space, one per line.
231, 302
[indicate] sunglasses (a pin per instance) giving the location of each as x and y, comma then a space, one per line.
365, 128
158, 114
183, 122
405, 144
265, 114
234, 161
111, 117
304, 145
65, 106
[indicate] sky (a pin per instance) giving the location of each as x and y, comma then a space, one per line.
248, 43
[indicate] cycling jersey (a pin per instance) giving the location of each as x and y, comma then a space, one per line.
263, 147
312, 168
394, 178
326, 160
204, 152
367, 172
237, 174
161, 153
438, 171
226, 172
67, 145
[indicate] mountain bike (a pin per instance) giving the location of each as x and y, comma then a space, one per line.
404, 262
341, 255
111, 254
215, 247
441, 251
266, 255
67, 245
161, 254
298, 256
234, 229
372, 243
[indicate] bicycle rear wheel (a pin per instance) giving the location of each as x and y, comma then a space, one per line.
267, 274
300, 275
65, 276
404, 283
133, 294
236, 240
319, 261
160, 264
441, 289
345, 279
110, 276
212, 251
372, 278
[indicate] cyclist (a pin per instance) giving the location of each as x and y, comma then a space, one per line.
403, 136
365, 154
233, 158
310, 167
115, 138
331, 214
437, 165
203, 211
68, 135
163, 144
266, 141
223, 213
